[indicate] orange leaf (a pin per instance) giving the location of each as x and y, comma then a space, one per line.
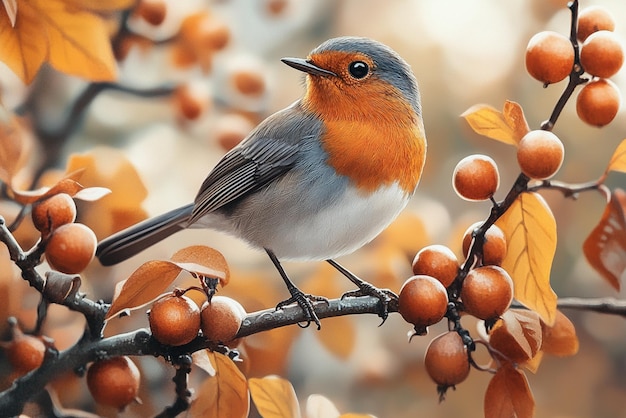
11, 8
618, 160
224, 395
560, 339
508, 395
65, 185
351, 415
202, 359
274, 397
530, 231
11, 145
605, 247
203, 261
72, 40
146, 283
518, 335
508, 126
101, 6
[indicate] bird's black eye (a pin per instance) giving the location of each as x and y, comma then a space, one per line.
358, 69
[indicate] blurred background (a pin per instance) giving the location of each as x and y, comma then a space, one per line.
462, 53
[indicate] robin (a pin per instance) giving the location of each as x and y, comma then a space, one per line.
318, 179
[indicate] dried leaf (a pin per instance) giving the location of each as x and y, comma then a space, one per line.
351, 415
560, 339
146, 283
318, 406
203, 261
224, 395
508, 126
70, 39
202, 359
618, 160
65, 185
508, 395
530, 230
518, 336
274, 397
605, 247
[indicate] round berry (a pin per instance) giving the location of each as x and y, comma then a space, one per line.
601, 55
174, 320
203, 32
71, 248
494, 246
53, 212
152, 11
487, 292
540, 154
25, 352
592, 19
190, 103
221, 319
549, 57
423, 301
598, 102
248, 82
476, 177
113, 382
447, 360
437, 261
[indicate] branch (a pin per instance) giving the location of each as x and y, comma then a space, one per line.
609, 306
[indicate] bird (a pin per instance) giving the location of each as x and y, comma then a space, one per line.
318, 179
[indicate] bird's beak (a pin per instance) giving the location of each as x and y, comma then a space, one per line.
307, 66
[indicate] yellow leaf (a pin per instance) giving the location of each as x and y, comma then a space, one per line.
146, 283
530, 231
508, 395
605, 247
508, 126
618, 160
100, 6
274, 397
224, 395
71, 39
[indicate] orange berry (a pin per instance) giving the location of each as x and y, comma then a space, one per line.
423, 301
71, 248
189, 102
113, 382
476, 177
203, 32
53, 212
540, 154
494, 247
437, 261
592, 19
487, 292
231, 129
174, 320
598, 102
221, 319
276, 7
25, 352
601, 54
549, 57
447, 360
249, 83
152, 11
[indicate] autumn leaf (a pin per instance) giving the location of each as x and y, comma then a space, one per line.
12, 146
202, 359
518, 336
605, 247
508, 395
530, 230
62, 33
508, 126
146, 283
274, 397
318, 406
224, 395
203, 261
560, 339
618, 160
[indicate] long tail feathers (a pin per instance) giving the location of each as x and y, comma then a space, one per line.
125, 244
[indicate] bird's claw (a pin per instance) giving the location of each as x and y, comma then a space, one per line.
305, 301
385, 297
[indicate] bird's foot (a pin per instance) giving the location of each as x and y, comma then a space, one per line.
385, 297
305, 301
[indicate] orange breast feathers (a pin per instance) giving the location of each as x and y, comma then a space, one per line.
372, 134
